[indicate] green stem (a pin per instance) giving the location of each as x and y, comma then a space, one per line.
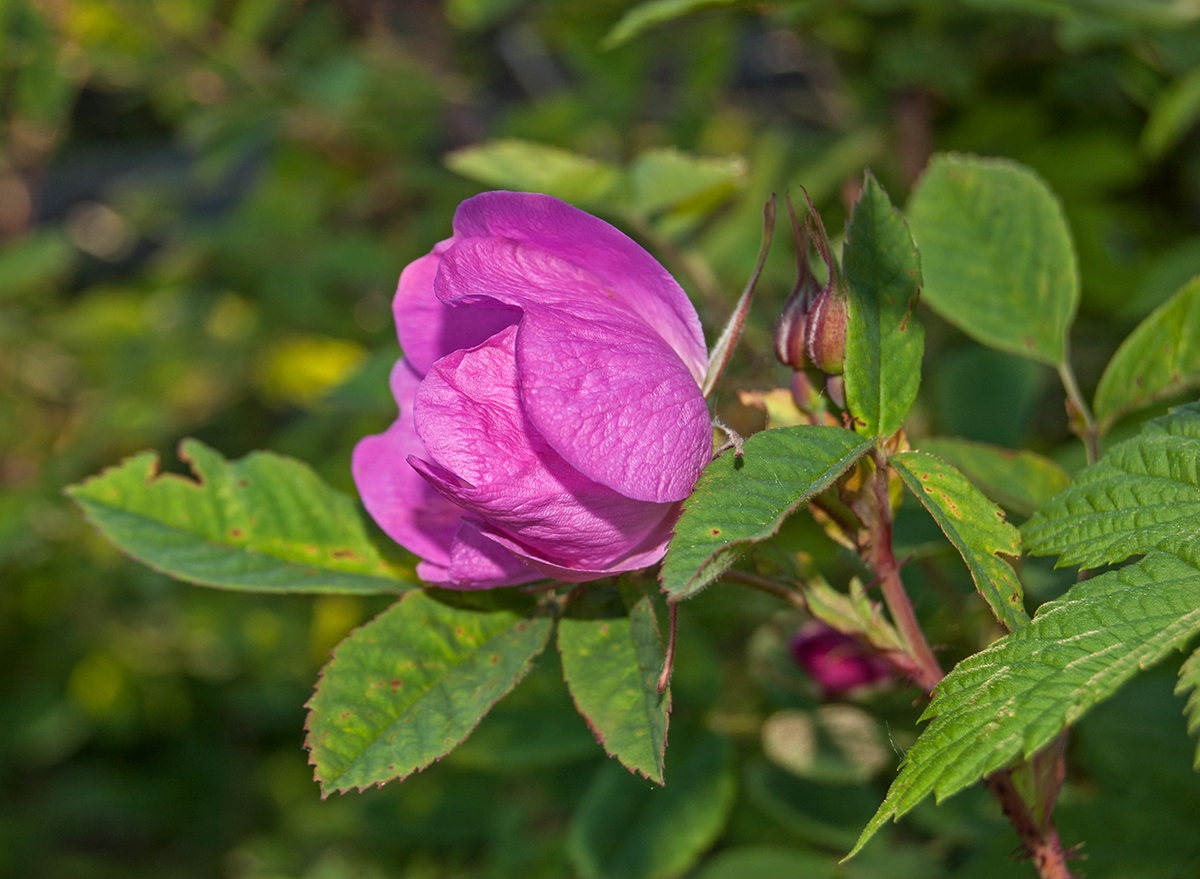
1089, 431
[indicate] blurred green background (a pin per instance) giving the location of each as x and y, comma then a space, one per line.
204, 206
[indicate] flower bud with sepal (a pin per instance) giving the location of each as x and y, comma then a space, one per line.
791, 330
825, 330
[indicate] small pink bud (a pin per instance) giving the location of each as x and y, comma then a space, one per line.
791, 330
837, 662
825, 332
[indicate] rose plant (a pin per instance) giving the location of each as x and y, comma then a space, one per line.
553, 427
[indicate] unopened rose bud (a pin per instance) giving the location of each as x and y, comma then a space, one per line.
791, 330
837, 662
825, 331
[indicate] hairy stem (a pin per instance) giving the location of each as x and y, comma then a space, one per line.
882, 559
1041, 842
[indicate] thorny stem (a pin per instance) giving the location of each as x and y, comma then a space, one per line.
883, 561
1040, 840
1089, 431
1041, 844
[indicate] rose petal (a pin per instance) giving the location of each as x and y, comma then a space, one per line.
632, 275
405, 506
596, 380
477, 562
489, 459
427, 327
651, 551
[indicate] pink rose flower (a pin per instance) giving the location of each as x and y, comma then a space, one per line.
837, 662
551, 418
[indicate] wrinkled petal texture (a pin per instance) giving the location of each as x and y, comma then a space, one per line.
489, 459
630, 274
551, 418
404, 505
429, 329
607, 392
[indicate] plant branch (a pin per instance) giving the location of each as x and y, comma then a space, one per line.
762, 584
1082, 423
1041, 843
927, 672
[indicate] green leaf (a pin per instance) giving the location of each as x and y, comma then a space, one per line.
534, 167
624, 829
404, 689
1143, 494
769, 862
612, 656
1175, 110
742, 500
975, 526
1010, 699
884, 341
852, 613
264, 523
996, 254
1159, 359
655, 12
669, 180
1018, 481
1189, 679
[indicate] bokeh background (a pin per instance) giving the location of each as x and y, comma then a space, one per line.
204, 205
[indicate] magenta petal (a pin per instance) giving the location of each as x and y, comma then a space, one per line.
405, 506
476, 562
427, 327
633, 277
596, 380
489, 459
649, 552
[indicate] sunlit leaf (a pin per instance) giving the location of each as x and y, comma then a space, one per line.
1019, 481
404, 689
996, 254
670, 180
1010, 699
975, 526
264, 523
884, 340
1144, 494
533, 167
744, 500
1159, 359
612, 656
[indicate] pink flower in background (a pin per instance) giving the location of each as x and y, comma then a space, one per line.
551, 418
837, 662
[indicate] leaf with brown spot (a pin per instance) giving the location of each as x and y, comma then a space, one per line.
460, 655
611, 657
264, 523
975, 526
